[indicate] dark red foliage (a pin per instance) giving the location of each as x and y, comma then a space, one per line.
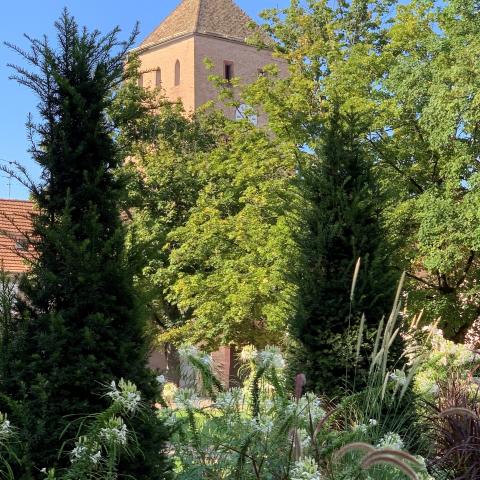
456, 434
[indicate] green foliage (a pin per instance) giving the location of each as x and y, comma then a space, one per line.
77, 324
274, 436
427, 140
344, 227
326, 108
101, 440
215, 215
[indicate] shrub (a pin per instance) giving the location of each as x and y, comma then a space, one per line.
261, 431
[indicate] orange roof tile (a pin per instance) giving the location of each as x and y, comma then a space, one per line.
211, 17
15, 221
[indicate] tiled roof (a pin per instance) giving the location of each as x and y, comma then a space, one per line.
212, 17
15, 219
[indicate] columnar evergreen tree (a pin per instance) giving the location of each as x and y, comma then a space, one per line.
80, 326
327, 107
344, 227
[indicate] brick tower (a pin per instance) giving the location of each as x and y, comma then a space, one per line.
172, 56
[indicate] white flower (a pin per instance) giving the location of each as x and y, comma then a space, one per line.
271, 357
310, 407
189, 352
305, 439
126, 395
96, 457
248, 354
262, 425
372, 422
161, 379
391, 440
230, 399
78, 452
186, 398
6, 429
115, 432
84, 451
361, 427
399, 377
305, 469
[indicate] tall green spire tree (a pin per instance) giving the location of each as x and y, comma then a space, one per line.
326, 108
345, 228
80, 325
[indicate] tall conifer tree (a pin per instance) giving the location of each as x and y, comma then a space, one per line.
80, 327
344, 226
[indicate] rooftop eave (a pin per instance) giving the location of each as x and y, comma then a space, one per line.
181, 36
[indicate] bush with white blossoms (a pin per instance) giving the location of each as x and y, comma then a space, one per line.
114, 432
105, 439
126, 395
260, 432
231, 435
391, 440
440, 358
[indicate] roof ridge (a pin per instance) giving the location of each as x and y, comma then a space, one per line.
15, 200
197, 21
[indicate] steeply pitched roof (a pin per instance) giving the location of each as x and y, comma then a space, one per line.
221, 18
15, 220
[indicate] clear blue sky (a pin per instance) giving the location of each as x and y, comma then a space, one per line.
36, 17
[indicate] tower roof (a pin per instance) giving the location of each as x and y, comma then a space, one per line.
221, 18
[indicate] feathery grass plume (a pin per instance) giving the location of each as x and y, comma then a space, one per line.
360, 338
394, 453
355, 278
300, 382
321, 423
377, 341
352, 447
375, 360
416, 319
393, 337
387, 460
389, 328
411, 374
384, 385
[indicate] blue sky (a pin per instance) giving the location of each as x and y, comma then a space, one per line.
36, 17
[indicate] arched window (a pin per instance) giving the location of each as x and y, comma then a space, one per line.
158, 78
140, 80
177, 72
